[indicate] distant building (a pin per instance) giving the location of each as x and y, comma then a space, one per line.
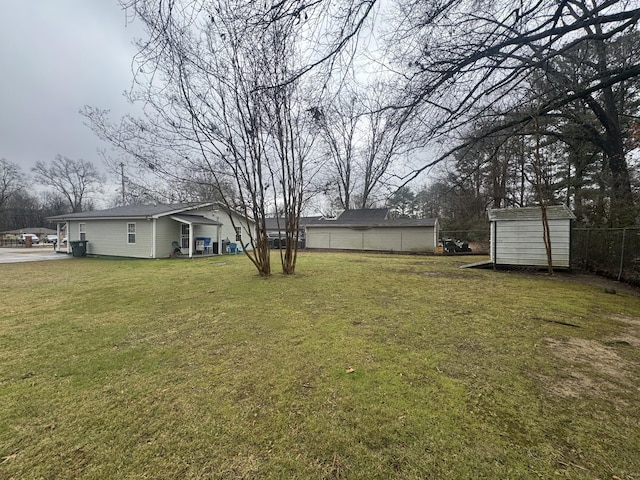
371, 229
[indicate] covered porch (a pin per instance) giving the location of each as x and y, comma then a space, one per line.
62, 245
196, 237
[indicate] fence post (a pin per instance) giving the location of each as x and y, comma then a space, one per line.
586, 251
624, 234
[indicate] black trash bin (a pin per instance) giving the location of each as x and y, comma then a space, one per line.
79, 248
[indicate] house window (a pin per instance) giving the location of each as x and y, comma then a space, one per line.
82, 229
131, 233
238, 233
184, 237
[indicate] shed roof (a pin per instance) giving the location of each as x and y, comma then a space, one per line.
396, 222
360, 218
363, 218
364, 215
554, 212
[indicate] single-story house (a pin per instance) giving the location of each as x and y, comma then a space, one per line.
517, 236
372, 229
149, 231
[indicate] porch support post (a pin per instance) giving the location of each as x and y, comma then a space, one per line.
190, 240
154, 247
68, 233
219, 240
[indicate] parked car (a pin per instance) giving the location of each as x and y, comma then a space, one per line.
34, 238
51, 239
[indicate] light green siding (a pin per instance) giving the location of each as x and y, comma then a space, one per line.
109, 237
167, 231
154, 235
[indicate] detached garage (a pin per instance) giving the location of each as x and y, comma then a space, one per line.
371, 230
517, 236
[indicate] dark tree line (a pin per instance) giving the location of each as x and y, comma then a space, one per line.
577, 154
563, 70
60, 186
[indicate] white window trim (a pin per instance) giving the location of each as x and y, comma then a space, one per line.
82, 230
129, 233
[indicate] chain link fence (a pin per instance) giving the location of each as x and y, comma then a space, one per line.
610, 252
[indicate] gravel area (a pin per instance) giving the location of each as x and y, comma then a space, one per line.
34, 254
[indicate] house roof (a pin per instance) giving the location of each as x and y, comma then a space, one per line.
131, 211
554, 212
272, 223
194, 219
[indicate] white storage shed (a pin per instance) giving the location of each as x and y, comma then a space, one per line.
372, 230
517, 236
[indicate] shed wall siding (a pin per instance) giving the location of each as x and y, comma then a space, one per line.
521, 243
387, 239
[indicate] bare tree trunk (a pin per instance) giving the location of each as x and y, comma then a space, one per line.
546, 236
540, 179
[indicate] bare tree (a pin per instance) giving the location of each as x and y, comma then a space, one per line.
73, 179
22, 210
223, 105
289, 139
385, 134
11, 181
337, 122
363, 139
541, 180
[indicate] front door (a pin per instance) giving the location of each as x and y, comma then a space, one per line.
184, 236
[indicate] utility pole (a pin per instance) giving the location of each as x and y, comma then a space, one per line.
122, 177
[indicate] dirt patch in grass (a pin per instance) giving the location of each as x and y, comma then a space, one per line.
595, 280
596, 367
632, 322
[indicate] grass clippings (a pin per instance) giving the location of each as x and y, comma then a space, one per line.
360, 366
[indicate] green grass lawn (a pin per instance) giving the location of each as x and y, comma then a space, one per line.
360, 366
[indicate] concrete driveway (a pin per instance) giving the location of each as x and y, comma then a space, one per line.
33, 254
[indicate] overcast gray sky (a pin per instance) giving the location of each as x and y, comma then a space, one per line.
55, 57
